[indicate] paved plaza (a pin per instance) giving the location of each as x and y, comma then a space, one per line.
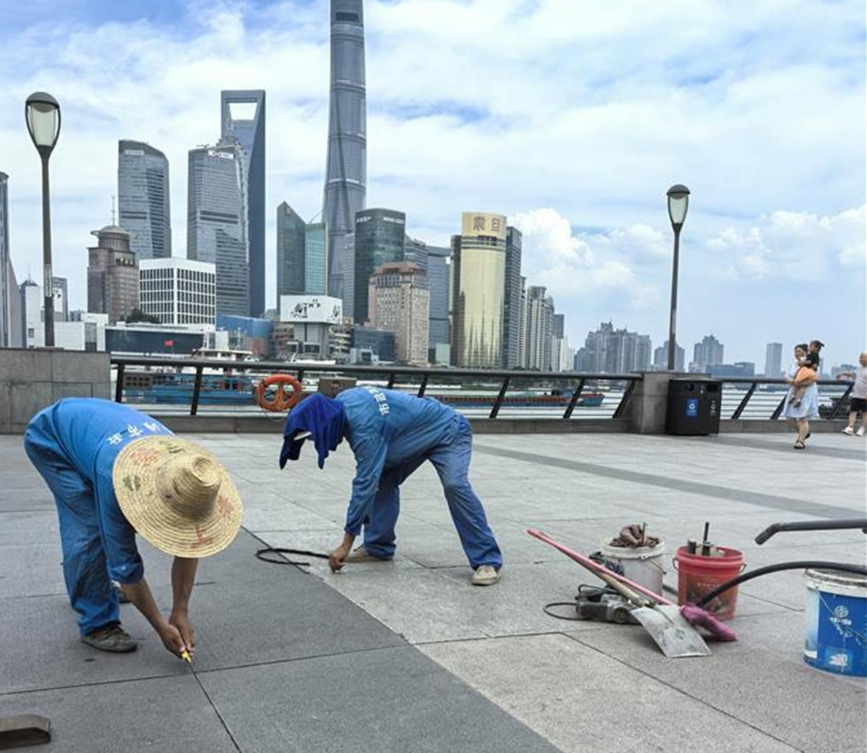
406, 656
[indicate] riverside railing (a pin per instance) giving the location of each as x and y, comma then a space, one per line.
760, 398
190, 381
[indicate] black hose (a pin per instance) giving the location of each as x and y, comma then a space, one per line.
802, 565
812, 525
262, 555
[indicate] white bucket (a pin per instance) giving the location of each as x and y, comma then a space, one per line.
835, 637
642, 564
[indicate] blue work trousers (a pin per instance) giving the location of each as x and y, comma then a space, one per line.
452, 462
84, 565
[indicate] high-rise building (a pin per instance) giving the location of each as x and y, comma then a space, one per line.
316, 259
32, 312
706, 353
143, 199
347, 272
112, 274
562, 355
7, 291
478, 284
346, 170
774, 360
559, 330
242, 122
61, 299
369, 341
540, 328
67, 335
291, 251
312, 318
178, 291
415, 251
400, 303
522, 326
217, 222
512, 300
660, 358
438, 272
380, 238
614, 351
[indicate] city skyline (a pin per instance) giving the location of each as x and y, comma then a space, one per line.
780, 221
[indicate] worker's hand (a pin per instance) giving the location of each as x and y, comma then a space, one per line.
337, 557
171, 638
188, 634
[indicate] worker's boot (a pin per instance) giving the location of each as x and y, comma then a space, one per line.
485, 575
112, 638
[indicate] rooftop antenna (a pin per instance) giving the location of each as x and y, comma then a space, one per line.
113, 215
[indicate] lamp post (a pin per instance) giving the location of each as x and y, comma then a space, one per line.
678, 203
42, 113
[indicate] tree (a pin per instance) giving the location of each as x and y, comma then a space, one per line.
137, 315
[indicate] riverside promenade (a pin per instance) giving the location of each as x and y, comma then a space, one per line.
407, 657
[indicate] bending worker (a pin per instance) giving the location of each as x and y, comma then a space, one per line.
391, 435
116, 472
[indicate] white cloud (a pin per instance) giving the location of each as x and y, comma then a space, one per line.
591, 266
793, 245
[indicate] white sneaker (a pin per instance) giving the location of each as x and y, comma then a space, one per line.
485, 575
850, 431
860, 432
360, 554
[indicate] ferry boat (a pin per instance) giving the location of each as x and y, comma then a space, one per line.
173, 388
524, 399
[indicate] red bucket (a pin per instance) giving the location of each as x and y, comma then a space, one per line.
697, 576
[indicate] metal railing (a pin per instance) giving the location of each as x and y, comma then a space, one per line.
483, 383
761, 398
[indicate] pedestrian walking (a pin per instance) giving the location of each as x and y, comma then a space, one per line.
858, 397
799, 413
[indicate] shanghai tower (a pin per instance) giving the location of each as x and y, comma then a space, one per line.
346, 171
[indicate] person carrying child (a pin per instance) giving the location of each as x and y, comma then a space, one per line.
808, 372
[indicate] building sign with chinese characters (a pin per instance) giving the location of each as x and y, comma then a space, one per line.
484, 223
311, 309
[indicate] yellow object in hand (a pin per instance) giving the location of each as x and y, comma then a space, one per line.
185, 655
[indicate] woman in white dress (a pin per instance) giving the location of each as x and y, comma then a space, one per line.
800, 413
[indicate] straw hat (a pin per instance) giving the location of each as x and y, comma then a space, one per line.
177, 495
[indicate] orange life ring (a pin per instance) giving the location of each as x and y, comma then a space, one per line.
279, 399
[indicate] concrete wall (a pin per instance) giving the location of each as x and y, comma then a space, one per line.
273, 424
33, 379
646, 410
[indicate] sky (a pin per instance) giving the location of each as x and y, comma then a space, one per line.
571, 117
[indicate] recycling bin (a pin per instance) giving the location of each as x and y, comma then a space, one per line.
693, 407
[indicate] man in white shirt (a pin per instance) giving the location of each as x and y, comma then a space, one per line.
858, 398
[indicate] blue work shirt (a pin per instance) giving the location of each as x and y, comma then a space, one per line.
386, 429
90, 433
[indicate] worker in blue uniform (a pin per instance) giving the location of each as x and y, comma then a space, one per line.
391, 435
115, 472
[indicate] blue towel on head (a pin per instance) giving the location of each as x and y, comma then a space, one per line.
323, 417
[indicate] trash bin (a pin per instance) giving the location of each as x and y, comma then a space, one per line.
693, 407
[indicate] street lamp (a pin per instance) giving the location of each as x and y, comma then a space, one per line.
678, 203
42, 113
